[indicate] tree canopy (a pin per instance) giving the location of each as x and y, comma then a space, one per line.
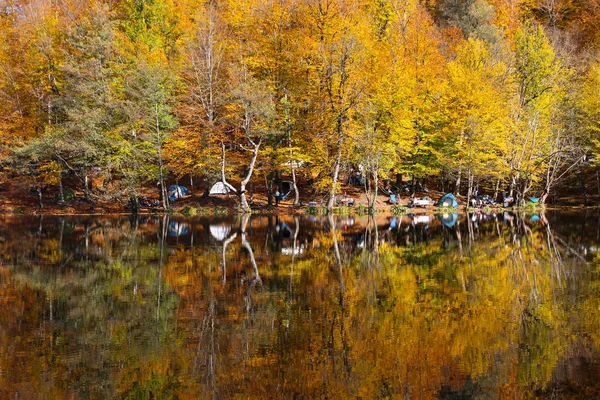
128, 94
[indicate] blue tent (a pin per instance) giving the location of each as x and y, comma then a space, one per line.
448, 220
448, 200
176, 192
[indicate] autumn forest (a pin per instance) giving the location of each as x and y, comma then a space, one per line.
111, 97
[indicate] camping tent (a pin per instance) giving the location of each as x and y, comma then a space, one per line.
219, 188
286, 186
176, 192
448, 200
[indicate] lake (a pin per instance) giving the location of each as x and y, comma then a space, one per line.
448, 306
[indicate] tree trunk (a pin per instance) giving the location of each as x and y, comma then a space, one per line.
372, 202
295, 188
86, 187
242, 193
336, 171
161, 177
544, 195
106, 182
583, 189
223, 180
134, 204
269, 185
497, 190
442, 182
520, 193
512, 185
470, 189
39, 193
61, 192
292, 161
457, 185
367, 185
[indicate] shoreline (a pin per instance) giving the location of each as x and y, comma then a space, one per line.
15, 203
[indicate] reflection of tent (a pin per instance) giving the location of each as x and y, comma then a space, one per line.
220, 232
177, 229
289, 251
448, 219
176, 192
360, 243
421, 219
534, 218
346, 222
448, 200
219, 188
283, 230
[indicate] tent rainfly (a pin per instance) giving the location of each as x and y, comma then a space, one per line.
448, 200
177, 192
219, 188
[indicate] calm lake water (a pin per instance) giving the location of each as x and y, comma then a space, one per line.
504, 306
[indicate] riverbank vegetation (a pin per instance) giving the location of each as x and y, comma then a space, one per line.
118, 99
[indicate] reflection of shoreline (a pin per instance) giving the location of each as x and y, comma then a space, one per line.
277, 232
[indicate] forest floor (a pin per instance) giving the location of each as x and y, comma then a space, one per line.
17, 199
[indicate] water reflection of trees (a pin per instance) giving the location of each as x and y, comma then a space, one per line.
102, 308
127, 307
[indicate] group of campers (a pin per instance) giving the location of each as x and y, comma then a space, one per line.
503, 200
448, 200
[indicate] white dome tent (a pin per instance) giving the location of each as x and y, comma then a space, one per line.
219, 188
